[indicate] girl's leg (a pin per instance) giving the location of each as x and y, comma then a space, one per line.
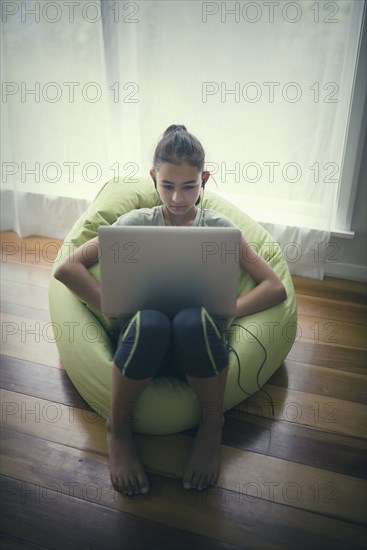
143, 344
127, 472
204, 359
203, 466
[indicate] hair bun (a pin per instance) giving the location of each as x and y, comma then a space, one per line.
177, 146
175, 128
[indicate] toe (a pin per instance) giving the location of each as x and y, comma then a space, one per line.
144, 489
133, 486
196, 481
210, 480
116, 484
127, 491
139, 484
188, 481
143, 484
201, 483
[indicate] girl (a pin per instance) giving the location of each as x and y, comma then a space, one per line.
151, 344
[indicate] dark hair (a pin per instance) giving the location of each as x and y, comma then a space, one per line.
178, 146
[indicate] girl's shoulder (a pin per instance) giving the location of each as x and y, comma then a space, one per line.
141, 216
214, 218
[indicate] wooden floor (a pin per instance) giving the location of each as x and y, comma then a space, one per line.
293, 481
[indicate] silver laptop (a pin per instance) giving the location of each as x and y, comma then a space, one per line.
168, 269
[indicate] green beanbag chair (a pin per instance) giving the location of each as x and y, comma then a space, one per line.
86, 341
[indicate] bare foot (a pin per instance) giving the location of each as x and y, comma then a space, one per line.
202, 469
126, 471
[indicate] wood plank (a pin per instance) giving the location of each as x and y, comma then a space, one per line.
289, 441
9, 542
339, 290
323, 413
27, 295
242, 429
167, 455
27, 339
321, 381
39, 514
319, 330
334, 311
309, 329
18, 310
34, 275
231, 516
50, 383
30, 250
324, 355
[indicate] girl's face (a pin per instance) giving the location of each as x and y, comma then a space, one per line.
179, 186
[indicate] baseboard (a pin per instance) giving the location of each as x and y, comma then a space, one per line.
350, 272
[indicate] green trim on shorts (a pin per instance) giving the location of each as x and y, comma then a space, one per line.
204, 317
136, 340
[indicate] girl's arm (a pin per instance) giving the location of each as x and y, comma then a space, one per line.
73, 272
269, 290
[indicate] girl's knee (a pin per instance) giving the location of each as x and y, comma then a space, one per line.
187, 321
199, 343
154, 324
143, 344
195, 322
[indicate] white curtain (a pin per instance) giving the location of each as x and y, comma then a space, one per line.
54, 116
88, 87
